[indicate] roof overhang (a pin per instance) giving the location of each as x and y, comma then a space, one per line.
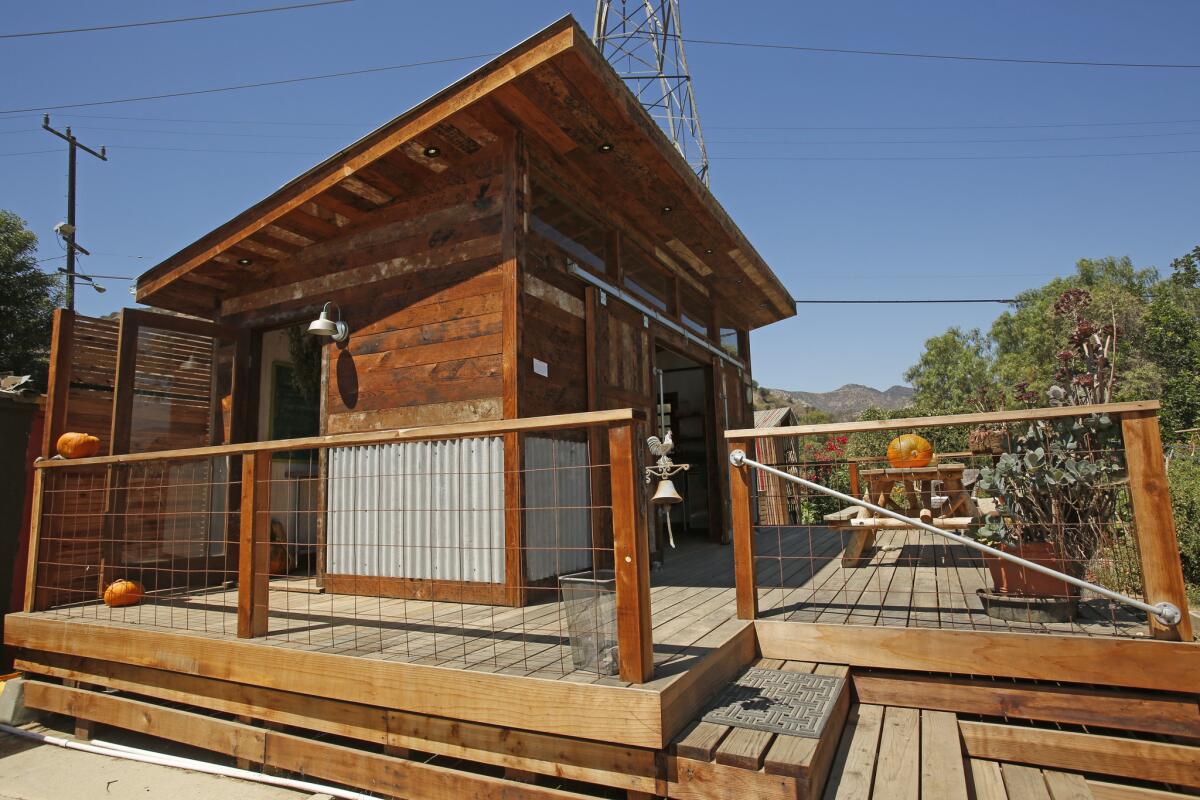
646, 171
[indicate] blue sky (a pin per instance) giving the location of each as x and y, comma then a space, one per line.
858, 225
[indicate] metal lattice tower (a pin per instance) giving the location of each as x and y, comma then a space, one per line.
643, 41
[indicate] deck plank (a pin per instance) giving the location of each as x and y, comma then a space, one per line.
899, 755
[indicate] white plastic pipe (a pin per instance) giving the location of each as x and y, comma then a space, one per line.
163, 760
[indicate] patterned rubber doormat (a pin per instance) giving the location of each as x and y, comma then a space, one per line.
791, 703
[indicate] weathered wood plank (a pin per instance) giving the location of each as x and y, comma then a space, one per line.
899, 766
1166, 714
1166, 666
942, 773
1109, 755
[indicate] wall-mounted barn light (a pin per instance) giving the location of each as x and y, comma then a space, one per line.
324, 326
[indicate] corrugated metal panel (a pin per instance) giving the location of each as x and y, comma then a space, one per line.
558, 520
418, 510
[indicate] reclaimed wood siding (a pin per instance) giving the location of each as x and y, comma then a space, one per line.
553, 333
426, 344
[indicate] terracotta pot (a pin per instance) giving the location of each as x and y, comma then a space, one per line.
1013, 579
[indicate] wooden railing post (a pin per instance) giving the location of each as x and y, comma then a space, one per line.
35, 531
743, 535
58, 386
1158, 547
631, 550
254, 551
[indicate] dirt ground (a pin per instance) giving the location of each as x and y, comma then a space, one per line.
32, 771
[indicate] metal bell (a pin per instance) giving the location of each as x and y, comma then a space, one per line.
665, 494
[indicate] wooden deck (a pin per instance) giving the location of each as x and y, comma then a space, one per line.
909, 581
891, 743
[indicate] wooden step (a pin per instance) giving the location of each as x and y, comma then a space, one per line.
709, 760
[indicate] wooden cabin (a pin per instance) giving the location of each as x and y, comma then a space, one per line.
419, 561
525, 243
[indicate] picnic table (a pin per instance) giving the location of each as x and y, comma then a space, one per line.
916, 486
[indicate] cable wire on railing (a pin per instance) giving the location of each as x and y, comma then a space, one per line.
1166, 613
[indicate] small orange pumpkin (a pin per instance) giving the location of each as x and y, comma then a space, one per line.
909, 451
278, 564
77, 445
123, 593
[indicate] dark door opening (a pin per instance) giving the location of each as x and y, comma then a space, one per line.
687, 411
289, 407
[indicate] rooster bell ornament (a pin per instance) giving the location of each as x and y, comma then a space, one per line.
663, 470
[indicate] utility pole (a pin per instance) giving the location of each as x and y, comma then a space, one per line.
68, 231
643, 41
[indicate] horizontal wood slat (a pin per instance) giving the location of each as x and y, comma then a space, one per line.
943, 421
463, 429
1142, 664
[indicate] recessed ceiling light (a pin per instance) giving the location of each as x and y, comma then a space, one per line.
245, 262
432, 152
666, 209
738, 281
708, 251
606, 147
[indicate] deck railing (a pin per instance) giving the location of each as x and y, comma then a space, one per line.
803, 556
442, 545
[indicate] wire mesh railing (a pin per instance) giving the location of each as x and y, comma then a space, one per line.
1079, 490
489, 547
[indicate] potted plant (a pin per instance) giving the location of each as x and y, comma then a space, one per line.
991, 438
1055, 488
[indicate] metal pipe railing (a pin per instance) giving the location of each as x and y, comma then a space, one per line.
1166, 613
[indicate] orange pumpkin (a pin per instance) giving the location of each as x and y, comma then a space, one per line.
77, 445
278, 564
123, 593
909, 451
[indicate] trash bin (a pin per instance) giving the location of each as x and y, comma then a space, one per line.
590, 603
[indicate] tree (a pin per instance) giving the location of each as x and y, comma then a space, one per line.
1027, 338
953, 374
1172, 342
28, 297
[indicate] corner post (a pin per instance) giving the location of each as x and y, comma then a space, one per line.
254, 552
58, 386
1158, 547
743, 535
35, 532
631, 551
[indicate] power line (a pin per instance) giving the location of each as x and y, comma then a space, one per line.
952, 127
718, 127
953, 158
945, 141
238, 87
1005, 301
173, 21
939, 56
30, 153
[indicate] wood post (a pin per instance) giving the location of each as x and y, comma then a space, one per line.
254, 552
743, 535
58, 388
631, 550
35, 529
1158, 547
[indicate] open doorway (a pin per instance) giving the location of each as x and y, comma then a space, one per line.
686, 409
289, 407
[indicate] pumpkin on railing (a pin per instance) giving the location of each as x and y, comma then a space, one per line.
77, 445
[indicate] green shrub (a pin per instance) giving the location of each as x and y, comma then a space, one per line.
1184, 477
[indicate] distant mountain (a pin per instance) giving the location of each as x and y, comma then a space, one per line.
844, 403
